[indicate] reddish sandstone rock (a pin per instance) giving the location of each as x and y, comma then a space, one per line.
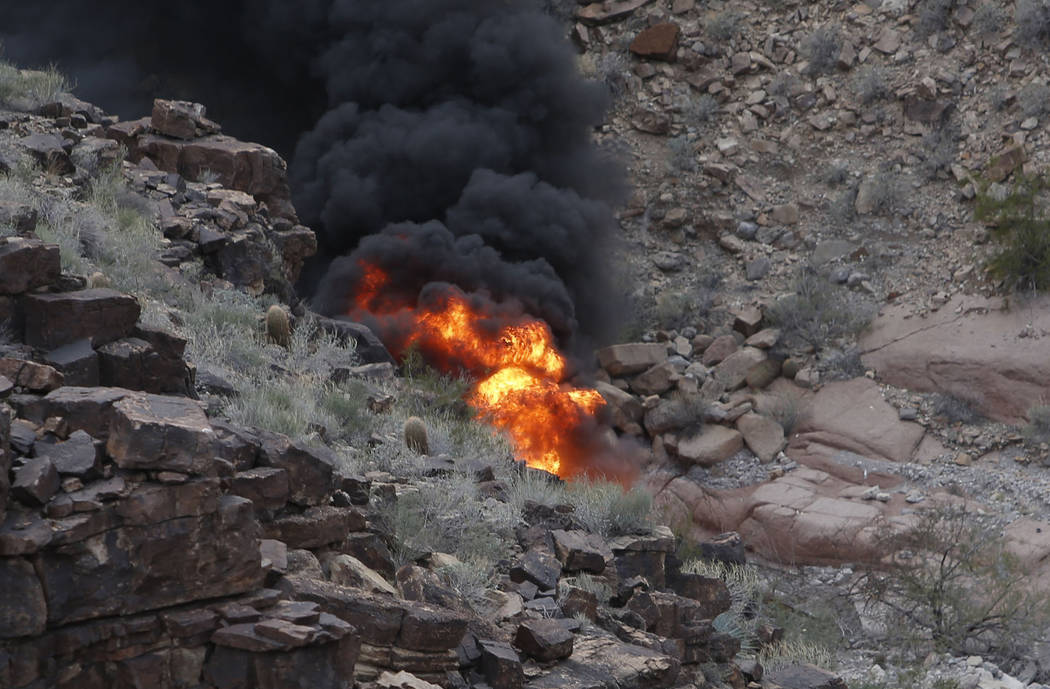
30, 375
635, 357
181, 119
659, 42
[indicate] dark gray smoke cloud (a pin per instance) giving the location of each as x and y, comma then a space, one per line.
442, 140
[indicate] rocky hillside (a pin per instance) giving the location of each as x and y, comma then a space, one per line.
158, 530
206, 485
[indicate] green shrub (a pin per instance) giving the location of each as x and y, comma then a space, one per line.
1037, 430
818, 313
1021, 228
950, 578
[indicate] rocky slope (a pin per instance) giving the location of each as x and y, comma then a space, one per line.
148, 542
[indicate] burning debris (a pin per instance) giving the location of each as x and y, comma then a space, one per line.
520, 374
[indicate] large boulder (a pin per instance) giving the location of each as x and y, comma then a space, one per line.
974, 348
176, 545
161, 433
627, 359
104, 315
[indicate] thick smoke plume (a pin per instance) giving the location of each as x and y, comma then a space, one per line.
442, 140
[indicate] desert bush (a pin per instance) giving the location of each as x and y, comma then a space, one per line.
782, 85
795, 652
589, 583
446, 514
746, 591
989, 19
1032, 19
951, 578
836, 174
701, 110
1037, 430
1021, 228
842, 364
822, 48
682, 156
939, 149
955, 409
607, 508
843, 208
611, 70
28, 89
725, 25
886, 193
1034, 99
934, 16
818, 313
870, 84
679, 308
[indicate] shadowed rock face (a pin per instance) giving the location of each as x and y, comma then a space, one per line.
985, 351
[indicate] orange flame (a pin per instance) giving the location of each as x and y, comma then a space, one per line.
520, 372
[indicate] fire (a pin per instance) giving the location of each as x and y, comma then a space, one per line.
520, 372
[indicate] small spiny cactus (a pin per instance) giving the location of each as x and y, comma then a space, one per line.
277, 327
416, 435
97, 279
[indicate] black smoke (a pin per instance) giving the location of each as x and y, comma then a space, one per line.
442, 140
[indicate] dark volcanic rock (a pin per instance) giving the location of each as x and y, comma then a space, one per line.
47, 150
76, 456
580, 551
161, 433
266, 487
136, 364
26, 264
82, 408
544, 640
170, 558
35, 481
5, 460
30, 375
78, 363
23, 611
20, 217
104, 315
309, 468
500, 665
